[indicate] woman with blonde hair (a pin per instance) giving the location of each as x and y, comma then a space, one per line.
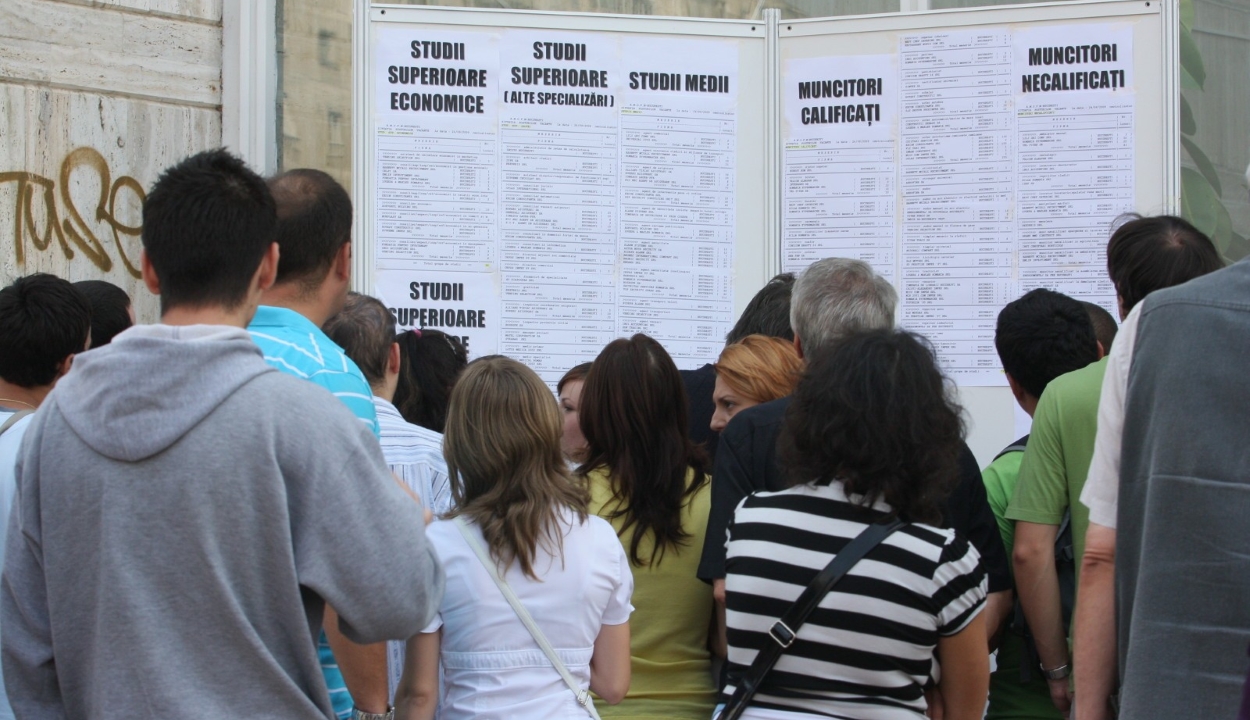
517, 508
756, 369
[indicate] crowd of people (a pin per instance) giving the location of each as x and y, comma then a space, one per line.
272, 504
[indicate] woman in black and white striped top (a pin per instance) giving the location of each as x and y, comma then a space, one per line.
870, 432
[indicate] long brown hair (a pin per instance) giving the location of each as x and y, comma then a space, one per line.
503, 455
634, 415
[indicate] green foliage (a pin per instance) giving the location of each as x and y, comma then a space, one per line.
1201, 191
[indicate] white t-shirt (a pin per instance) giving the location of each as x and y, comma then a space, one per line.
492, 668
1102, 487
10, 444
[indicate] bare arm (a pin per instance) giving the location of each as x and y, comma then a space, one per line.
1037, 581
416, 697
997, 608
363, 667
1094, 631
609, 665
965, 682
719, 643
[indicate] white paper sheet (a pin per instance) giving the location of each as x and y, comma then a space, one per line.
1075, 154
839, 189
957, 246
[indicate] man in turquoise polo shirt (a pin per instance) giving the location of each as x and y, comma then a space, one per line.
314, 272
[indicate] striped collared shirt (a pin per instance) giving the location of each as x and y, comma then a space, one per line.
415, 454
291, 343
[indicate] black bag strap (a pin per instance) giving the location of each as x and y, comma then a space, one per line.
784, 631
1017, 446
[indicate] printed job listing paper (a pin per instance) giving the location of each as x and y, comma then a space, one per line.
1074, 154
957, 176
437, 182
839, 190
678, 149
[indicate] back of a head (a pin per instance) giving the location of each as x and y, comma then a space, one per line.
873, 412
1043, 335
207, 224
634, 416
314, 222
1105, 327
768, 313
1151, 253
43, 320
836, 297
430, 362
110, 309
760, 368
502, 445
365, 329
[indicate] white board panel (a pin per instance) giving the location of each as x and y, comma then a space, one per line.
540, 184
973, 155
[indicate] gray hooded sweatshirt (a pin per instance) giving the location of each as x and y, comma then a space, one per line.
182, 514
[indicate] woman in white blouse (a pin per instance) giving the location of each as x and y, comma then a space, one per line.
510, 483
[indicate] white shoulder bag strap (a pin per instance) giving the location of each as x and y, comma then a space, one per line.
13, 419
583, 696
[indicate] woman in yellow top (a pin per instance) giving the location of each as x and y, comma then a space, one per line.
652, 484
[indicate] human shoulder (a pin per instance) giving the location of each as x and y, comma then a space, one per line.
300, 409
760, 416
1080, 385
999, 478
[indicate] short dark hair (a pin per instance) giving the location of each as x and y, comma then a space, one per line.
314, 222
365, 329
430, 362
768, 313
1105, 326
110, 309
43, 320
1043, 335
1150, 253
873, 412
207, 224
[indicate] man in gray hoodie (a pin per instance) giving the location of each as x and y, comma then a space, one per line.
184, 512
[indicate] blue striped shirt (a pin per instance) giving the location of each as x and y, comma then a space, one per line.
291, 343
294, 345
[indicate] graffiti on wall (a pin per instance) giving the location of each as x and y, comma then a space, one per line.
64, 223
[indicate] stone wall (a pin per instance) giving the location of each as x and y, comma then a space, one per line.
96, 98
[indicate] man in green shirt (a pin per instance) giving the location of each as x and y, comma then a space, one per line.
1143, 255
1039, 337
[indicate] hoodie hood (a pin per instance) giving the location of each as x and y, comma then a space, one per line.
136, 396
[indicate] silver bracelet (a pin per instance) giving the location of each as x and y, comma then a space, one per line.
1059, 673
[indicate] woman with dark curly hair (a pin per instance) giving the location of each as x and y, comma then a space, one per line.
870, 433
430, 362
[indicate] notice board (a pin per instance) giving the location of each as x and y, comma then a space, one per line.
972, 156
542, 183
539, 185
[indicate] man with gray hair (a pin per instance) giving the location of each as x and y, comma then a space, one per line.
832, 299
